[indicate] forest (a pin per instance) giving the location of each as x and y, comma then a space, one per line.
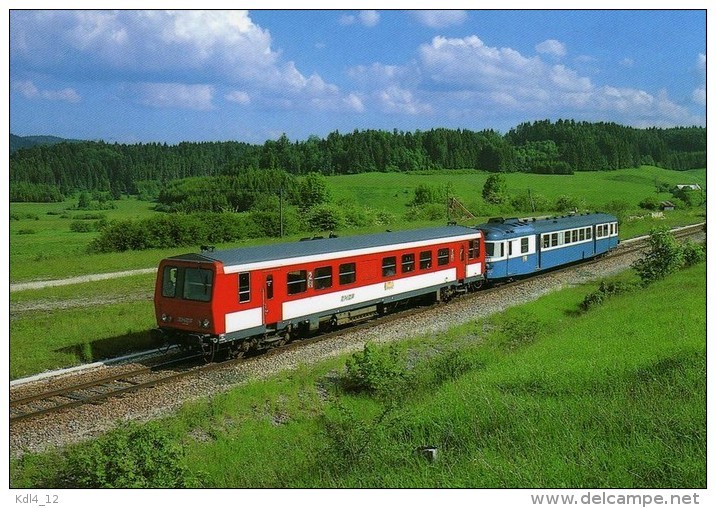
51, 172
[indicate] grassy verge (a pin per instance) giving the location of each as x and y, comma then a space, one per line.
543, 395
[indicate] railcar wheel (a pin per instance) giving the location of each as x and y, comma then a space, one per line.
209, 351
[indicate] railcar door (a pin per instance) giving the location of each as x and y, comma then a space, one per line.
271, 300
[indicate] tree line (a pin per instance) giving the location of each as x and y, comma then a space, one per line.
50, 172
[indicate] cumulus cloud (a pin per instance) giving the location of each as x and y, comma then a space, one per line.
440, 19
27, 89
174, 95
365, 18
398, 100
699, 94
238, 96
551, 47
485, 75
194, 51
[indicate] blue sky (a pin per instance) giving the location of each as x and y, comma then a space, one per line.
145, 76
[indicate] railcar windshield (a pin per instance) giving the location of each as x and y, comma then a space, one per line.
187, 283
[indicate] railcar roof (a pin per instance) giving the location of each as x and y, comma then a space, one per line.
513, 228
298, 249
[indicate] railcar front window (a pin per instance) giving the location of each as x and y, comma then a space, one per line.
198, 284
169, 281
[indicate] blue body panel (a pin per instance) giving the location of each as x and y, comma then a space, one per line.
518, 248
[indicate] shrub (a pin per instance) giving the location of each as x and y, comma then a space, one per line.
605, 290
693, 253
79, 226
374, 370
325, 217
664, 257
649, 203
131, 457
26, 231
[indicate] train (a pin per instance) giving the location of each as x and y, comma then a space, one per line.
236, 300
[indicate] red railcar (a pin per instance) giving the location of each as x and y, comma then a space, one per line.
240, 298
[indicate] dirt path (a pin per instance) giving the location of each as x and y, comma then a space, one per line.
77, 280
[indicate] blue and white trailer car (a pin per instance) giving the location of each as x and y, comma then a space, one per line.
520, 247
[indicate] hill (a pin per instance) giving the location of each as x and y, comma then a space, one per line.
17, 142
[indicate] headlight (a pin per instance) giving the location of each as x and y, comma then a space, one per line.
166, 318
205, 323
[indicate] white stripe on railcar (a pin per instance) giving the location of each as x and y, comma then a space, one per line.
338, 299
243, 319
278, 263
473, 270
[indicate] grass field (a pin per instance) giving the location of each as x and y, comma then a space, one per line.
43, 247
610, 398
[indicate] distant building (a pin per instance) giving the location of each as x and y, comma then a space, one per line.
689, 186
666, 205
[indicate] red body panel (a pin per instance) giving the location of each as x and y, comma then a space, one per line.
268, 299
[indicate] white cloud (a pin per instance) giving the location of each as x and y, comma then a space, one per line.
174, 95
503, 77
27, 89
366, 18
551, 47
440, 19
699, 94
239, 97
399, 100
186, 55
369, 18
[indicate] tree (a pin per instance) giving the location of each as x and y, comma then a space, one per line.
495, 189
313, 190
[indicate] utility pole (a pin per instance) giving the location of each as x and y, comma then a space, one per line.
280, 209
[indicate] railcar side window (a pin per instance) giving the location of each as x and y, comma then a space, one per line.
297, 281
524, 245
389, 265
473, 250
169, 281
347, 273
269, 287
567, 237
443, 256
589, 233
545, 241
198, 283
426, 259
323, 277
581, 234
407, 263
244, 288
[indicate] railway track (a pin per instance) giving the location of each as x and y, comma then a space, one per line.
99, 390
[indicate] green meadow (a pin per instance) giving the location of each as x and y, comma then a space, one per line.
42, 245
544, 395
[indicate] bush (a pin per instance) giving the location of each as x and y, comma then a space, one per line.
518, 331
26, 231
693, 253
649, 203
325, 217
605, 290
664, 257
131, 457
374, 370
79, 226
